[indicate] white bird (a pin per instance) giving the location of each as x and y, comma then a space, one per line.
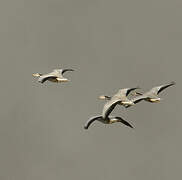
122, 94
152, 95
55, 76
108, 108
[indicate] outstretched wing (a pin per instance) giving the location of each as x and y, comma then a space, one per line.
139, 98
166, 86
44, 78
136, 100
105, 97
91, 120
158, 89
123, 93
109, 106
124, 122
65, 70
130, 90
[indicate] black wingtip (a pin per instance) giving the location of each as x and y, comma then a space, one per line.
131, 126
173, 83
125, 122
65, 70
71, 69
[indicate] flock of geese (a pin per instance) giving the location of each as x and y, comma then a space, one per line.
120, 98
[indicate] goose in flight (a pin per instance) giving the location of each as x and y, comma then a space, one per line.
109, 107
133, 101
150, 96
122, 94
55, 76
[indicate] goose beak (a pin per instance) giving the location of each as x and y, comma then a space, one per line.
62, 80
155, 100
65, 80
36, 75
102, 97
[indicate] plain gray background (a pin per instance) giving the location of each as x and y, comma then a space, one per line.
111, 45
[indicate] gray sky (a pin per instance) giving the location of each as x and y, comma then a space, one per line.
111, 44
